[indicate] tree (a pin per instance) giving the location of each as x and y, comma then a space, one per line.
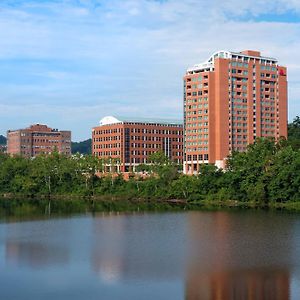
184, 187
284, 183
294, 133
161, 165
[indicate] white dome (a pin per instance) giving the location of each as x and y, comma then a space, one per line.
109, 120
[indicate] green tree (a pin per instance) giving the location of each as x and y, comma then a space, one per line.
294, 133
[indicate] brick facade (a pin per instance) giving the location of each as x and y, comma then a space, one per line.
229, 101
38, 139
132, 142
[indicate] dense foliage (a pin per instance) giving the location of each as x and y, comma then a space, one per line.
294, 133
268, 171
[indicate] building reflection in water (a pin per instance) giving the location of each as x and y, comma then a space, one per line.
37, 244
128, 247
244, 284
237, 259
107, 254
35, 255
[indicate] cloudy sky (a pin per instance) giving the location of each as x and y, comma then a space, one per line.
68, 63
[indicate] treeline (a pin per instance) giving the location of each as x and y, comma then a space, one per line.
84, 147
266, 172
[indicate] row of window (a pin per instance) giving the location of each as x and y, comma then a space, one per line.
234, 124
198, 136
189, 131
204, 142
108, 153
108, 138
268, 68
199, 78
195, 106
105, 146
196, 124
268, 132
155, 131
156, 138
238, 64
197, 86
197, 157
233, 93
195, 112
238, 86
107, 131
199, 93
242, 72
238, 118
238, 79
271, 83
190, 119
268, 75
238, 130
195, 100
196, 149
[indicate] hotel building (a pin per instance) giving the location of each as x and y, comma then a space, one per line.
38, 139
132, 142
229, 100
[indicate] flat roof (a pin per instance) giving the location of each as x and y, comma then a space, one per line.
208, 65
108, 120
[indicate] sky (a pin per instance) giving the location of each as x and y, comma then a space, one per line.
68, 63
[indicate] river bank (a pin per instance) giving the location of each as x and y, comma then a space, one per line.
64, 205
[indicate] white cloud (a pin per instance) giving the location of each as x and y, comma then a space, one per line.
129, 56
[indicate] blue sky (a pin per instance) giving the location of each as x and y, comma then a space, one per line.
68, 63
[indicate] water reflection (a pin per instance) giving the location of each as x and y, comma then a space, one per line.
35, 255
238, 257
193, 255
107, 257
256, 284
141, 247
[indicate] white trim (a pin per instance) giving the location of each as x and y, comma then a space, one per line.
209, 64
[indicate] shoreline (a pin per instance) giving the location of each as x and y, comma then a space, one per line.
104, 203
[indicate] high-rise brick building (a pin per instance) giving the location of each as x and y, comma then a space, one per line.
229, 100
133, 141
38, 139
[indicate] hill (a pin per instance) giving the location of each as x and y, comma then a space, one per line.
84, 147
2, 140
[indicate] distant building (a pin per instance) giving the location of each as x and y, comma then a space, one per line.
229, 100
38, 139
132, 142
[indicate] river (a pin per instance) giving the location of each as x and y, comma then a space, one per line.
182, 255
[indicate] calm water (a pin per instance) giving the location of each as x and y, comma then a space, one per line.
193, 255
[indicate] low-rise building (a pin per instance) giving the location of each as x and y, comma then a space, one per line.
131, 142
38, 139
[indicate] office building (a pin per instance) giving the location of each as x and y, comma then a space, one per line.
131, 142
38, 139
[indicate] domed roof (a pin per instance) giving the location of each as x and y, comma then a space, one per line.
109, 120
